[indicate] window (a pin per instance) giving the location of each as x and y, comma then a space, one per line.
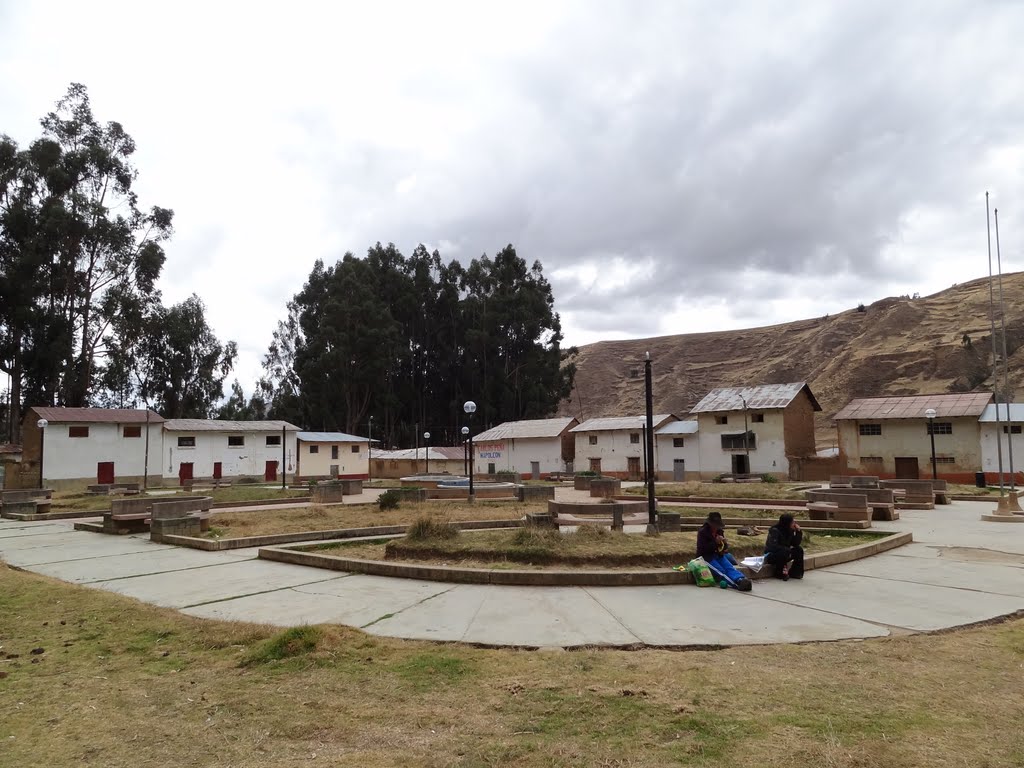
78, 431
945, 460
187, 441
314, 449
634, 438
236, 441
1012, 429
677, 442
870, 429
273, 439
757, 418
940, 428
721, 419
355, 449
739, 442
593, 439
870, 459
334, 451
131, 430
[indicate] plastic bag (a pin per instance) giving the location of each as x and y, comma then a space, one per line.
702, 575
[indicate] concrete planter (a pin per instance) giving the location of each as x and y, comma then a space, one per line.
535, 492
605, 487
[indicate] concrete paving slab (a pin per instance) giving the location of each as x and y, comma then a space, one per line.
163, 560
920, 607
445, 617
689, 616
219, 582
354, 600
77, 547
32, 529
990, 578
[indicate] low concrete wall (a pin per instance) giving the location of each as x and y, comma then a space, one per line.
605, 488
12, 497
535, 492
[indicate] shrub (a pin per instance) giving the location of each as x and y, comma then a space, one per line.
296, 641
589, 532
388, 500
428, 529
588, 473
861, 308
767, 477
718, 479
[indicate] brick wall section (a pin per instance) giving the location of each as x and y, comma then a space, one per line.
798, 427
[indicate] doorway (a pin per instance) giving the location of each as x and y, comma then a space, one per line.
184, 472
595, 466
740, 464
218, 470
270, 474
535, 470
906, 468
105, 472
679, 470
633, 467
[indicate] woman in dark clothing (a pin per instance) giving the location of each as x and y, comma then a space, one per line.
783, 548
712, 546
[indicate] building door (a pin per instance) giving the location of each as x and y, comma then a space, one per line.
105, 472
535, 470
184, 472
595, 466
740, 464
633, 467
218, 470
334, 470
679, 470
270, 474
906, 468
490, 469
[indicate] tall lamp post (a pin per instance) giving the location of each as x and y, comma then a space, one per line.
369, 451
426, 451
746, 432
652, 462
930, 415
470, 408
42, 424
465, 450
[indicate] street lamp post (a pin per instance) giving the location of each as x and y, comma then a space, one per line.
470, 408
426, 451
930, 415
652, 462
369, 451
465, 451
746, 432
42, 424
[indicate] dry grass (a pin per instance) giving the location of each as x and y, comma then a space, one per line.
586, 547
125, 684
321, 518
725, 490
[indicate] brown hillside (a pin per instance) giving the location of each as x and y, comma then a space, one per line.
898, 346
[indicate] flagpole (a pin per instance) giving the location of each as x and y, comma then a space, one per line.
1014, 504
995, 353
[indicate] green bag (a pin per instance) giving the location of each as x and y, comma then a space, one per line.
702, 575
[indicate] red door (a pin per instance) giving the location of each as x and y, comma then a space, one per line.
184, 472
105, 472
216, 470
271, 473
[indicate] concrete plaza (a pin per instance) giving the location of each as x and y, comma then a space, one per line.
958, 571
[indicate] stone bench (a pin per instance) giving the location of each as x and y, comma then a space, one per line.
26, 507
568, 514
917, 494
582, 482
941, 490
31, 494
535, 492
136, 515
863, 481
837, 506
605, 487
540, 520
881, 501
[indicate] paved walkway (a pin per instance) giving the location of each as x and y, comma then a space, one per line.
958, 571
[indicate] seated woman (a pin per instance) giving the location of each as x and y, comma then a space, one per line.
783, 550
712, 546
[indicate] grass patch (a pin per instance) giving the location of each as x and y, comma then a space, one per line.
295, 641
355, 699
726, 490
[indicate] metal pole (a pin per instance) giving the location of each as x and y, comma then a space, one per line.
472, 495
1006, 361
465, 456
416, 451
284, 447
145, 463
746, 432
369, 450
643, 432
42, 449
931, 429
995, 369
652, 514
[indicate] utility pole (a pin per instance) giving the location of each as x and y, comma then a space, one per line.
652, 513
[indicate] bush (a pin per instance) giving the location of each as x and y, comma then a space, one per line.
861, 308
428, 529
589, 532
588, 473
388, 500
507, 477
767, 477
296, 641
718, 479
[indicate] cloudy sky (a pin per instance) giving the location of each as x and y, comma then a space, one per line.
676, 166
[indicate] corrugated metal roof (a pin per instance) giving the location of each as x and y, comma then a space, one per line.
411, 454
97, 415
621, 422
765, 397
331, 437
678, 428
1015, 411
530, 428
450, 451
226, 425
946, 406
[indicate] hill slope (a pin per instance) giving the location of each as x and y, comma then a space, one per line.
897, 346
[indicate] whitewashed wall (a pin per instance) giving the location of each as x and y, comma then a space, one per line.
613, 449
515, 455
989, 451
351, 465
667, 453
248, 460
768, 457
75, 458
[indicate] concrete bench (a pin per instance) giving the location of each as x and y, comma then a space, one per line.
881, 501
917, 494
535, 492
608, 514
840, 481
13, 509
136, 515
941, 491
31, 494
863, 481
822, 505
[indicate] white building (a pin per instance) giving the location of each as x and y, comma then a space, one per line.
201, 449
614, 446
414, 461
1010, 427
677, 446
86, 446
532, 448
323, 455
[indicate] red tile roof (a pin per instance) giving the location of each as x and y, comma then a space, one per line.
96, 415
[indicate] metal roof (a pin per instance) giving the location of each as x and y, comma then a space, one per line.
765, 397
531, 428
97, 415
226, 425
1015, 411
621, 422
331, 437
411, 454
946, 406
678, 428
